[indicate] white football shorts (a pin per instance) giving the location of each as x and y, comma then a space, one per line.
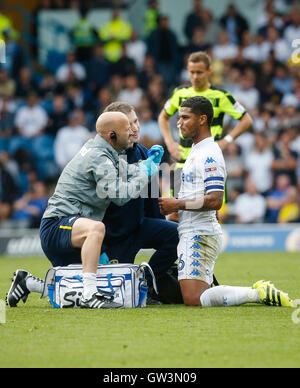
197, 255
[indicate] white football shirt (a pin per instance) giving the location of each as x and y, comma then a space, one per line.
203, 172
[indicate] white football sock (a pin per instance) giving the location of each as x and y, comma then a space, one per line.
34, 284
228, 296
89, 284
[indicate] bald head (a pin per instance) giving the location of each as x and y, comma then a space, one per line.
114, 127
110, 121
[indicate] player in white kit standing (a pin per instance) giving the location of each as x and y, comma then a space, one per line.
201, 195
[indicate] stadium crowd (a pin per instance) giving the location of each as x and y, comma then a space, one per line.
47, 114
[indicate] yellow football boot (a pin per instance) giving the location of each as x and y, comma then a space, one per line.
270, 296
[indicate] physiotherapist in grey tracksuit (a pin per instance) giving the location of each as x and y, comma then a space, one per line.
93, 179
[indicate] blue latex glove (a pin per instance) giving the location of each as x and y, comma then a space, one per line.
156, 152
148, 166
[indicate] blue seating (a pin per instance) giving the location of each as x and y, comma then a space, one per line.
54, 60
17, 142
42, 147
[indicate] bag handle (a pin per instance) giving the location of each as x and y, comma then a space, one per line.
144, 264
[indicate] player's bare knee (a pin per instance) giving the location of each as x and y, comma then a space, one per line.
191, 300
97, 229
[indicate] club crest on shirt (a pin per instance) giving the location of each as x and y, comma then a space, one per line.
210, 169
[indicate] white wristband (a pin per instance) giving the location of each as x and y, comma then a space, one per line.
194, 204
228, 138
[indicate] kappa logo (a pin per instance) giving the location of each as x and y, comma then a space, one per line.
225, 301
210, 160
196, 246
197, 238
195, 272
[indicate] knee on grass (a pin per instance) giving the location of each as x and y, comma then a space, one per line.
191, 300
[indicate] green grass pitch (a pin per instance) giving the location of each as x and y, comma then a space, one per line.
168, 336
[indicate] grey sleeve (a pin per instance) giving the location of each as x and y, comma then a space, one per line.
119, 183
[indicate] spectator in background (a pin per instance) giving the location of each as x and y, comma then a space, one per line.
285, 160
25, 83
8, 191
5, 23
247, 93
211, 27
234, 167
290, 211
234, 23
70, 139
70, 71
258, 164
97, 69
148, 71
151, 17
136, 49
264, 85
224, 49
292, 29
77, 97
103, 99
48, 86
132, 93
7, 84
155, 94
83, 36
31, 206
193, 20
162, 45
269, 18
294, 132
197, 42
274, 43
149, 129
116, 84
31, 119
14, 55
58, 115
6, 122
255, 49
10, 165
125, 65
113, 34
250, 206
276, 197
282, 81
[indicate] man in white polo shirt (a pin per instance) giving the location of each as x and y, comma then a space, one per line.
200, 196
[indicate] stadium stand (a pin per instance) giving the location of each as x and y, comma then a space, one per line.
257, 61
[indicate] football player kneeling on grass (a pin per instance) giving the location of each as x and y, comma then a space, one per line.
200, 196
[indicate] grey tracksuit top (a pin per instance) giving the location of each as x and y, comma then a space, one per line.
94, 178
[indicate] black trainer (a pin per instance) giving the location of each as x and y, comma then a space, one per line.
150, 301
18, 289
99, 301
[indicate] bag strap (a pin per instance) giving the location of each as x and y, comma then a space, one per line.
109, 276
49, 281
144, 264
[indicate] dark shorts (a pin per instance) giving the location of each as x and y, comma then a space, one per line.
55, 235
